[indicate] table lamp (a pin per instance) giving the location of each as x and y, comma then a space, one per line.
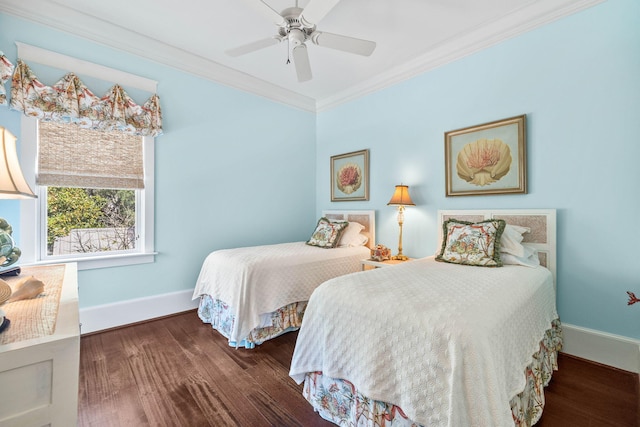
401, 199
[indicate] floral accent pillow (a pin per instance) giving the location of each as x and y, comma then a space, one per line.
327, 233
472, 243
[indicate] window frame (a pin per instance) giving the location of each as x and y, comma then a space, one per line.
33, 217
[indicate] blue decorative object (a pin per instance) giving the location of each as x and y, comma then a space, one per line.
9, 252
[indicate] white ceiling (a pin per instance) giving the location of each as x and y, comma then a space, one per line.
412, 36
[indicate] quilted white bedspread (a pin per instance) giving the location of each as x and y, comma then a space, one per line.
260, 279
446, 343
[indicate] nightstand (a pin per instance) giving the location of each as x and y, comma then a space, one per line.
378, 264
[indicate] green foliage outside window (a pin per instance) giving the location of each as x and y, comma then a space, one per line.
86, 208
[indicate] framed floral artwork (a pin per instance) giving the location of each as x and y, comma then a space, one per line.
350, 176
486, 159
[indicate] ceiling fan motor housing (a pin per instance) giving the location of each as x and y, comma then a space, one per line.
296, 37
293, 27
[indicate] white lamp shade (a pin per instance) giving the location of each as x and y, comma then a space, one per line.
12, 183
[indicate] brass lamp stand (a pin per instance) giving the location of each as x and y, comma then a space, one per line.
401, 199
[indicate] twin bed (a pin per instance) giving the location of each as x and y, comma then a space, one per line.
439, 343
253, 294
434, 341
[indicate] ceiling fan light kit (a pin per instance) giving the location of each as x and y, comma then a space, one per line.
298, 26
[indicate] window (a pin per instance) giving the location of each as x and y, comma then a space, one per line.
96, 209
92, 181
96, 227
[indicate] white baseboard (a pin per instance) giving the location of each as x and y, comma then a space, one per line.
97, 318
608, 349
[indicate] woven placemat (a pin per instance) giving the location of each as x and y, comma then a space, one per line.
36, 317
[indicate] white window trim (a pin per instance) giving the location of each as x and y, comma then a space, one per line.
33, 216
32, 220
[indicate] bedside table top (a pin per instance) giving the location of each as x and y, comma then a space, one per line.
386, 263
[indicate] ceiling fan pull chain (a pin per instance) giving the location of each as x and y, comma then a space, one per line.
288, 52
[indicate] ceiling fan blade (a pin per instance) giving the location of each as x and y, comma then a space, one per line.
263, 8
252, 47
301, 62
315, 11
344, 43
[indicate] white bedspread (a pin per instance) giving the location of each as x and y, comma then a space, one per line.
260, 279
446, 343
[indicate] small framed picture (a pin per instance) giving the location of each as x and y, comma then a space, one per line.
486, 159
350, 176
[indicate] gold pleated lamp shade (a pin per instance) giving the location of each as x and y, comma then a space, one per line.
401, 197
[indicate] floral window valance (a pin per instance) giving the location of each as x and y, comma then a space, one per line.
6, 69
70, 101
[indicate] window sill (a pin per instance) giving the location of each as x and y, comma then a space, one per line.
105, 261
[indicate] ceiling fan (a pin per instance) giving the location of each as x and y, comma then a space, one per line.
297, 26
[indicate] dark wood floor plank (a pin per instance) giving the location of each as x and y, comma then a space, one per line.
583, 393
146, 368
225, 372
274, 380
106, 390
222, 370
212, 408
177, 371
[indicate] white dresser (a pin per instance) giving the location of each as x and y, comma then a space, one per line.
40, 352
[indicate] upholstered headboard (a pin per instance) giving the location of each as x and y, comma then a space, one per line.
542, 223
366, 218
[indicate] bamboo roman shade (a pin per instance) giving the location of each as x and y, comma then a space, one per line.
71, 156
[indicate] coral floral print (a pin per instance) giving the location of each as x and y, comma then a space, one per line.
69, 100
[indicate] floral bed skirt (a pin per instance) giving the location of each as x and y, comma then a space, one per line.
341, 403
221, 318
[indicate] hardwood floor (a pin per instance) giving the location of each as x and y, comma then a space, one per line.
177, 371
587, 394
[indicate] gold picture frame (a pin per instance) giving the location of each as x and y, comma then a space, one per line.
350, 176
487, 159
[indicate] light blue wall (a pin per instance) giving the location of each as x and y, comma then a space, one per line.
224, 167
232, 169
578, 82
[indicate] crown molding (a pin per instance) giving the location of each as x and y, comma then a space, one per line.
126, 40
534, 15
519, 22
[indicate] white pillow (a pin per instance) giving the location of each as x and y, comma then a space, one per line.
352, 236
510, 241
514, 252
530, 261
